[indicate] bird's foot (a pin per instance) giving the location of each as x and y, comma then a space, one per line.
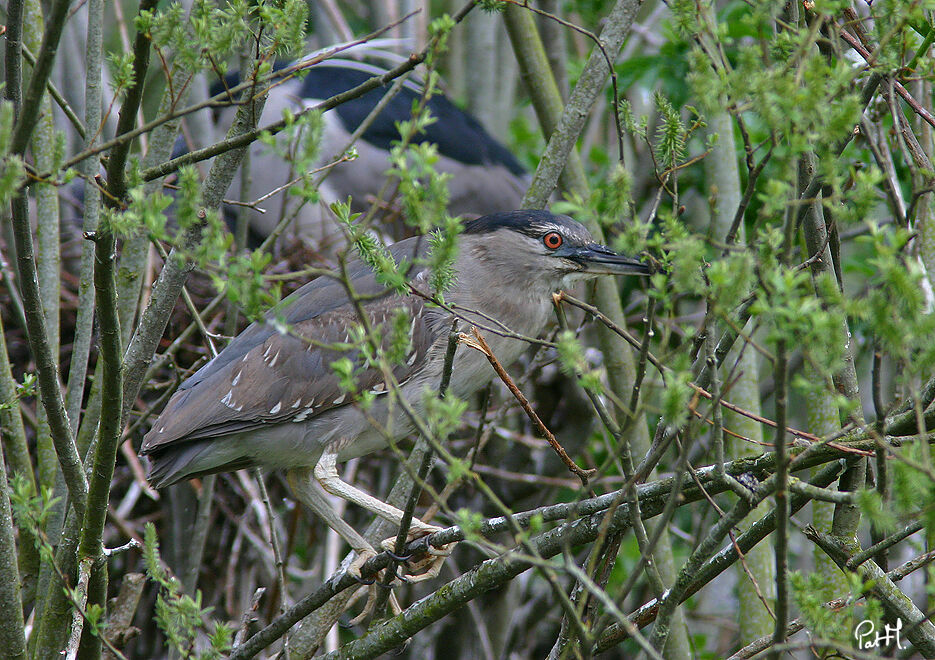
428, 567
371, 602
363, 556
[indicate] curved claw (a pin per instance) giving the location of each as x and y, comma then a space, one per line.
360, 580
398, 558
397, 576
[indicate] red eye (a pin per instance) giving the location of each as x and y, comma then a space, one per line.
552, 240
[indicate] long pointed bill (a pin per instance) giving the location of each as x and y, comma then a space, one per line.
601, 260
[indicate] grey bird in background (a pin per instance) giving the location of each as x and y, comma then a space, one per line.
484, 176
271, 399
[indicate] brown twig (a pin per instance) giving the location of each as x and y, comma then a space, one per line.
902, 91
811, 437
477, 342
139, 474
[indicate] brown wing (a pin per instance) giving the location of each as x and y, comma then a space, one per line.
278, 371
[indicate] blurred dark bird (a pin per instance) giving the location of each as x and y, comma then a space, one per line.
485, 177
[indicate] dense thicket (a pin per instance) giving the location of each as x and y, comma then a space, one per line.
757, 414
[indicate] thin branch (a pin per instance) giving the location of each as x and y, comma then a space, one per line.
902, 91
719, 562
920, 632
781, 547
477, 342
888, 542
26, 111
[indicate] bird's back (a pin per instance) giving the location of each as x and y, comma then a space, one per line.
278, 371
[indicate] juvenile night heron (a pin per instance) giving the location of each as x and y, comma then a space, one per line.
271, 399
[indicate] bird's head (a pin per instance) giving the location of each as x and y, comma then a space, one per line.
539, 246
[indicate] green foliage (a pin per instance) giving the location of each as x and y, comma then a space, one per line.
609, 203
299, 144
912, 488
345, 370
443, 415
422, 189
787, 305
730, 279
178, 615
216, 32
122, 75
31, 509
790, 92
629, 121
492, 6
388, 272
241, 278
12, 172
570, 354
871, 505
423, 192
895, 309
143, 213
93, 614
443, 251
837, 625
399, 337
286, 20
457, 471
685, 256
470, 523
28, 387
574, 363
676, 397
670, 134
685, 17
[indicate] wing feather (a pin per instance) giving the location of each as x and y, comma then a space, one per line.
266, 376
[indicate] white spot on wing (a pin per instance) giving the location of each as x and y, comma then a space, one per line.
227, 398
236, 379
275, 409
272, 362
297, 402
339, 400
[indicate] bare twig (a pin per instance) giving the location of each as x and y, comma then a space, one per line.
476, 341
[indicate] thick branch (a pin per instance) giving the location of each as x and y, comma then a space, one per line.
589, 86
920, 631
591, 513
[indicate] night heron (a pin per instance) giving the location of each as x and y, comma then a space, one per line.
271, 398
484, 176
